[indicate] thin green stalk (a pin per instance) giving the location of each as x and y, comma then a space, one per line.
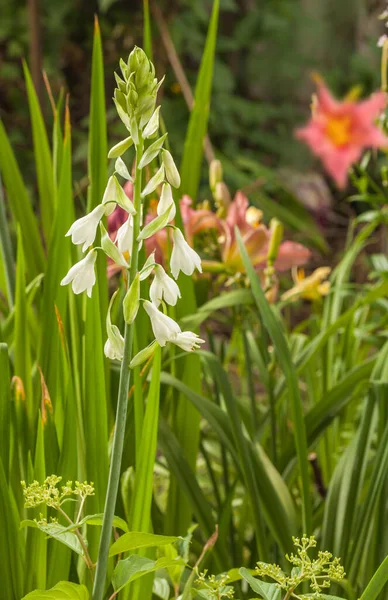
122, 403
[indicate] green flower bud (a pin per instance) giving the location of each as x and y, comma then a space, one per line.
143, 355
215, 174
276, 229
132, 300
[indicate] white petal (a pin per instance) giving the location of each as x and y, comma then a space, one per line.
165, 201
188, 341
164, 328
125, 236
109, 350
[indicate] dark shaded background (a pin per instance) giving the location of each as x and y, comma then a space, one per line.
265, 53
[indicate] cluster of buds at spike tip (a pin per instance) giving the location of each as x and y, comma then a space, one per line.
135, 99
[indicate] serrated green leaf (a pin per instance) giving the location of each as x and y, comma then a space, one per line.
267, 591
58, 532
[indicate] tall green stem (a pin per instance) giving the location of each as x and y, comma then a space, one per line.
122, 403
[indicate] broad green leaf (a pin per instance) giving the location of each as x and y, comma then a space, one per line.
193, 149
133, 540
58, 532
64, 590
135, 566
267, 591
118, 522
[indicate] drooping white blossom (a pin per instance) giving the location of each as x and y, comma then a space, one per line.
114, 345
165, 201
83, 231
124, 236
188, 341
183, 257
82, 275
164, 327
164, 288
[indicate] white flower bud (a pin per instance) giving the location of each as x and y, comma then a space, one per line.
183, 257
114, 345
82, 275
153, 125
172, 173
164, 288
124, 236
165, 201
83, 231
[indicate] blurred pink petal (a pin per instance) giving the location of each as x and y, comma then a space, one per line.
339, 131
291, 254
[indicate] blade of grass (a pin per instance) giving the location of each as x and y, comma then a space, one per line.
42, 155
97, 158
11, 564
277, 335
140, 517
191, 166
5, 408
20, 206
7, 251
22, 352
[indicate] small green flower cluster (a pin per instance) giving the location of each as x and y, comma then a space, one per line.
319, 572
51, 495
215, 585
135, 95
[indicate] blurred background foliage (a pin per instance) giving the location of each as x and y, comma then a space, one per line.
266, 51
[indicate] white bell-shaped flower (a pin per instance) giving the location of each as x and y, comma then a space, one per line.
187, 340
165, 201
124, 237
164, 328
82, 275
114, 345
183, 257
83, 231
164, 288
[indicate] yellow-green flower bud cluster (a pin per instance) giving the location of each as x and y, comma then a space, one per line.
135, 95
50, 494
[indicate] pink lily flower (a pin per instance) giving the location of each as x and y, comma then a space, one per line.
339, 131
